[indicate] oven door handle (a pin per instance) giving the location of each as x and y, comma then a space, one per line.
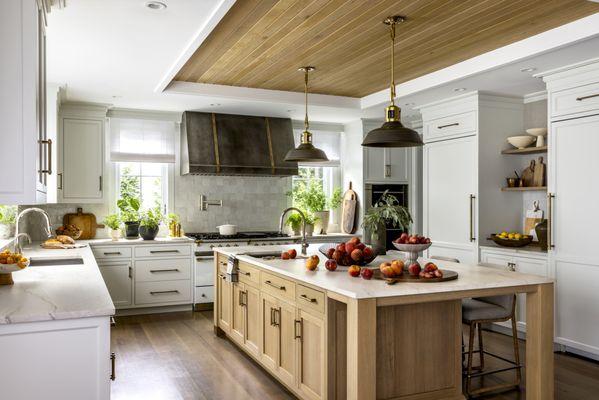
203, 258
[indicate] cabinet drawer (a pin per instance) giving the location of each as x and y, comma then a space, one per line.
163, 270
249, 274
162, 251
203, 294
276, 286
449, 127
222, 260
580, 99
108, 252
310, 298
163, 292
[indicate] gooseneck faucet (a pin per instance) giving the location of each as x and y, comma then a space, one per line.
304, 241
48, 227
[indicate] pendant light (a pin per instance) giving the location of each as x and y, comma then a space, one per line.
306, 152
392, 133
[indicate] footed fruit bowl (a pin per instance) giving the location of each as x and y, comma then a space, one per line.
339, 252
9, 263
412, 245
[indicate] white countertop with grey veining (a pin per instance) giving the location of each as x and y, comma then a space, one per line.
471, 277
46, 293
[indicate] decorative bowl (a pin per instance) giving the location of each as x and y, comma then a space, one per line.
537, 131
70, 230
511, 242
411, 251
7, 269
521, 142
325, 247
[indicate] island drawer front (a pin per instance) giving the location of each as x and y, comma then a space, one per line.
576, 100
222, 262
451, 126
276, 286
163, 292
162, 270
162, 251
309, 298
108, 252
249, 274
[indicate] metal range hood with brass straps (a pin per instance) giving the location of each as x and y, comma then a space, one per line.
225, 144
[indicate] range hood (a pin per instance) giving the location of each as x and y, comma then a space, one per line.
225, 144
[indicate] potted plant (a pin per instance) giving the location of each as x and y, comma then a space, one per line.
333, 203
310, 222
150, 223
130, 215
8, 218
295, 222
113, 222
173, 221
386, 211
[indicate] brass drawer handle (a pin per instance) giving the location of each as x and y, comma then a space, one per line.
272, 317
277, 316
472, 238
269, 283
587, 97
112, 366
298, 322
112, 253
153, 271
448, 125
164, 292
163, 251
311, 300
48, 169
550, 198
245, 273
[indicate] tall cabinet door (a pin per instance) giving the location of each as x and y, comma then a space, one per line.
224, 297
82, 159
573, 171
311, 356
450, 186
270, 331
238, 313
252, 319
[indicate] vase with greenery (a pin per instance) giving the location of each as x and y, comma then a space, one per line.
386, 212
113, 222
129, 208
150, 223
8, 218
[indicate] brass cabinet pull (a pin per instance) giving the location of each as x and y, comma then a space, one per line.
269, 283
277, 315
245, 273
272, 318
112, 253
48, 169
311, 300
511, 267
240, 301
163, 251
472, 198
550, 198
130, 273
387, 171
112, 366
448, 125
100, 186
587, 97
153, 271
298, 322
164, 292
60, 180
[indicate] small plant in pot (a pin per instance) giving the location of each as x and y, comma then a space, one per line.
386, 211
113, 222
8, 217
150, 224
295, 223
310, 222
130, 216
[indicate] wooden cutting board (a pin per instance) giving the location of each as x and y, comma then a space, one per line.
348, 213
84, 221
539, 173
528, 174
533, 217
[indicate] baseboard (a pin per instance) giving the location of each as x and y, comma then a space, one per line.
153, 310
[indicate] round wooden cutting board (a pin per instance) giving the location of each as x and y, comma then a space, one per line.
447, 276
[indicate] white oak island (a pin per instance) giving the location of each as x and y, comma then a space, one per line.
326, 335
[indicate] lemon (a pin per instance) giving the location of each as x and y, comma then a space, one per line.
511, 236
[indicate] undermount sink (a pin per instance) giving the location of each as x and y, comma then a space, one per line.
269, 255
53, 261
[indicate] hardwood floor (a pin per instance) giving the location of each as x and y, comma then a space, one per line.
177, 356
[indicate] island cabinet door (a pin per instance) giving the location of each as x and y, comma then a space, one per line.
238, 313
270, 332
224, 300
287, 365
252, 319
311, 376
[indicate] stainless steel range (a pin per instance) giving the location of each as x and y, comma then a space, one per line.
204, 268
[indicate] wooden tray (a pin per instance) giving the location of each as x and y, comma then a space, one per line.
84, 221
447, 276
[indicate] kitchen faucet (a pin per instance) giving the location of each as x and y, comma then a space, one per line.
304, 240
18, 248
204, 203
48, 227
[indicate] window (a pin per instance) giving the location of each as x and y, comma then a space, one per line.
145, 181
325, 177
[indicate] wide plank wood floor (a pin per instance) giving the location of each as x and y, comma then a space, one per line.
177, 356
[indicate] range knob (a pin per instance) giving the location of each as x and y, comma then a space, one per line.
228, 245
236, 245
211, 246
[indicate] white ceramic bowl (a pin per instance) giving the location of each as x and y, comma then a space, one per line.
521, 142
411, 248
537, 131
227, 229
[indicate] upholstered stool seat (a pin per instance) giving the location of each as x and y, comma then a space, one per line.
475, 309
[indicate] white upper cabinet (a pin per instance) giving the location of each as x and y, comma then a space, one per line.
81, 165
386, 165
27, 154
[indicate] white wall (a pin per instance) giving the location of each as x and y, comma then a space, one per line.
352, 163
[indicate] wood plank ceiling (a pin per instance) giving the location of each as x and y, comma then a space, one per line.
261, 43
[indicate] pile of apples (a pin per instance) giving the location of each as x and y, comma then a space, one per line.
395, 268
289, 254
412, 239
351, 252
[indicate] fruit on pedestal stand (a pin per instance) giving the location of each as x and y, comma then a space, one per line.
312, 262
285, 255
354, 271
367, 273
412, 239
292, 253
331, 265
414, 269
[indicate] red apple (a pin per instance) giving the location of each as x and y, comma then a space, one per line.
350, 247
414, 269
397, 266
285, 255
427, 241
413, 240
368, 254
357, 255
354, 271
341, 247
338, 256
292, 253
367, 273
430, 267
438, 273
360, 246
330, 252
346, 259
355, 240
330, 264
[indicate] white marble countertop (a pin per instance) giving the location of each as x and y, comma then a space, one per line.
136, 242
470, 276
55, 292
5, 242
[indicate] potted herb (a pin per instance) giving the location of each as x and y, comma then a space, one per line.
113, 222
386, 211
130, 215
150, 224
310, 222
173, 222
8, 218
295, 222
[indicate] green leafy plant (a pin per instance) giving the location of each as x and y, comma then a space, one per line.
294, 220
113, 221
129, 207
151, 218
336, 199
173, 218
387, 211
8, 215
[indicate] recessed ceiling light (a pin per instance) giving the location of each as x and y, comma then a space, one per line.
409, 104
460, 89
117, 96
215, 104
155, 5
528, 69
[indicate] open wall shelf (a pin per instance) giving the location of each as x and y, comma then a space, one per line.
524, 189
528, 150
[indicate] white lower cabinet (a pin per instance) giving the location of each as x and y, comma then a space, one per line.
118, 277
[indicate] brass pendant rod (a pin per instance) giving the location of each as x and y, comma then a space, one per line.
393, 63
306, 122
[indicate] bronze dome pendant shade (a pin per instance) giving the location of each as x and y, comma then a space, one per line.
392, 133
306, 152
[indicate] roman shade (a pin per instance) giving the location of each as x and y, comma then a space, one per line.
142, 140
327, 141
